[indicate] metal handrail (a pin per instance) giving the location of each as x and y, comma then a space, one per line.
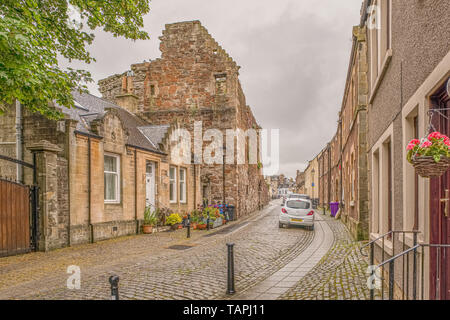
372, 251
435, 245
381, 237
391, 263
371, 242
398, 255
412, 249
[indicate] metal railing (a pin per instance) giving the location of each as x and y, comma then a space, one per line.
439, 264
382, 238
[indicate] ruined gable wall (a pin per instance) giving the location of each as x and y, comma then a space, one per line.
195, 80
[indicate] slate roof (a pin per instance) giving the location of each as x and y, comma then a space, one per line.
89, 108
155, 134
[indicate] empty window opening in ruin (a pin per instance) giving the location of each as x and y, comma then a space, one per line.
221, 83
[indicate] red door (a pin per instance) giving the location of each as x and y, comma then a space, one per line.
440, 209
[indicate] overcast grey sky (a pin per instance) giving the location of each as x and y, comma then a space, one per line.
293, 55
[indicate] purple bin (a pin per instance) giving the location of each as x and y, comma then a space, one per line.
334, 208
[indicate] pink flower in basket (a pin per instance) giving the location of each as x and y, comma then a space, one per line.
430, 157
435, 135
426, 144
412, 144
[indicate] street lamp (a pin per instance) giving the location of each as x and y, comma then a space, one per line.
224, 150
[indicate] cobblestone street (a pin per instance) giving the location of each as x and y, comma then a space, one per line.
148, 269
340, 275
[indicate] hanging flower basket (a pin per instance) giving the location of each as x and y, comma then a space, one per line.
431, 156
426, 166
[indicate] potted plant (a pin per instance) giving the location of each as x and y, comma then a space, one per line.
201, 225
173, 221
201, 222
150, 220
195, 218
218, 221
431, 156
162, 214
224, 220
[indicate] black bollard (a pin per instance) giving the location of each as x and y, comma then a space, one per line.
114, 281
207, 222
324, 213
230, 289
189, 226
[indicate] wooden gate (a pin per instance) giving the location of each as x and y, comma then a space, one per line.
14, 218
19, 213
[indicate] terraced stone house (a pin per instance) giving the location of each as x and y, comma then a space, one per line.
109, 158
409, 70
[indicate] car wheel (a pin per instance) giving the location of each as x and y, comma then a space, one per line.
311, 228
280, 225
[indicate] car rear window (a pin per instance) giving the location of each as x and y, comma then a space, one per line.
298, 196
297, 204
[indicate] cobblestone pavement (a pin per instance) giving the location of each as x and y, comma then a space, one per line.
340, 275
149, 270
282, 280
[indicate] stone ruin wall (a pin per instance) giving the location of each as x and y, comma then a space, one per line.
195, 80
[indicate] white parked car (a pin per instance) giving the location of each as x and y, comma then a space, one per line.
293, 196
297, 212
298, 196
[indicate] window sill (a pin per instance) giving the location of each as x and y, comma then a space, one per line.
386, 62
112, 202
388, 247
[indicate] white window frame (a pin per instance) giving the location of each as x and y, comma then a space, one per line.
182, 182
117, 180
380, 186
379, 48
173, 181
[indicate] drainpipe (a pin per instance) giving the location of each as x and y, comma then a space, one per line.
224, 149
135, 192
91, 228
19, 135
195, 187
340, 164
329, 174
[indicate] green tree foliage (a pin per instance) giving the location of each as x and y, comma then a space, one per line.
35, 33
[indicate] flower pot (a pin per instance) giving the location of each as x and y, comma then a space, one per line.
147, 229
428, 168
201, 226
217, 223
194, 225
